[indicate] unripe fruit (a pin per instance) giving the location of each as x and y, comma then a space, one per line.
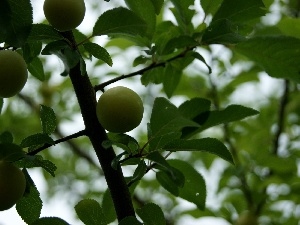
12, 185
64, 15
120, 109
13, 73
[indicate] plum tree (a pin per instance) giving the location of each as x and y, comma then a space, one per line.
12, 185
120, 109
64, 15
13, 73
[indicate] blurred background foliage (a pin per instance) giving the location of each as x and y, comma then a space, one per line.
265, 180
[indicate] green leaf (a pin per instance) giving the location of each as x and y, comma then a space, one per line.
15, 21
290, 26
167, 183
180, 42
166, 118
140, 60
165, 31
194, 189
10, 152
159, 160
124, 141
130, 220
213, 118
108, 207
154, 75
222, 32
43, 32
171, 180
210, 145
50, 221
210, 7
240, 11
36, 69
115, 163
139, 171
6, 137
38, 161
193, 107
36, 140
119, 21
29, 207
151, 214
275, 54
159, 141
31, 51
158, 4
145, 10
98, 52
172, 75
201, 58
61, 49
48, 119
184, 14
5, 19
90, 212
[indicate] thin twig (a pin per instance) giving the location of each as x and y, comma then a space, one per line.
244, 185
58, 133
141, 71
281, 117
64, 139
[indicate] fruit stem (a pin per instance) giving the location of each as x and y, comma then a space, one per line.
86, 97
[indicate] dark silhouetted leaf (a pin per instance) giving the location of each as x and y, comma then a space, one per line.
151, 214
48, 119
29, 207
50, 221
90, 212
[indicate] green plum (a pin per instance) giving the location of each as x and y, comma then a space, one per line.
13, 73
120, 109
12, 185
64, 15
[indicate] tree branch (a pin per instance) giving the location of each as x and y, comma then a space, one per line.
281, 117
45, 146
141, 71
59, 134
86, 97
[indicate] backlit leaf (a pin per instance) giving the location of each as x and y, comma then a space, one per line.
48, 119
145, 10
277, 55
194, 189
119, 21
166, 118
210, 145
98, 52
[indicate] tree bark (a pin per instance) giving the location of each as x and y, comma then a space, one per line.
87, 101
